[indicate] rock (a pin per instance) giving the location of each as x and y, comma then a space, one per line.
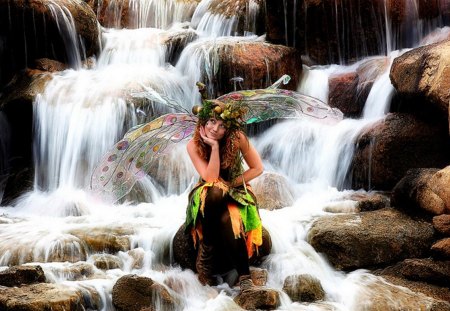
441, 249
303, 288
349, 91
258, 298
36, 29
107, 239
425, 72
130, 14
424, 189
16, 105
442, 224
259, 64
259, 276
44, 296
375, 294
19, 275
272, 191
425, 269
185, 254
370, 238
390, 147
138, 255
369, 201
134, 293
107, 261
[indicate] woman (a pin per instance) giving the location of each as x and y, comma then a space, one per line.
222, 211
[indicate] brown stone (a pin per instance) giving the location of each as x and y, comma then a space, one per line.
442, 224
370, 201
107, 261
258, 298
303, 288
260, 64
31, 30
272, 191
423, 269
19, 275
99, 239
387, 149
45, 296
441, 249
424, 72
370, 238
343, 94
134, 293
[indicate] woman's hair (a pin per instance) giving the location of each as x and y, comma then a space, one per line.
228, 146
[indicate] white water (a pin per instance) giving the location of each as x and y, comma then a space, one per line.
84, 112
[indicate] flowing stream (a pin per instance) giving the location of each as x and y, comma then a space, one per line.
83, 112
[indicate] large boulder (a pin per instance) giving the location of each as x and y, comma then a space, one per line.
32, 29
425, 72
370, 238
259, 64
273, 191
387, 149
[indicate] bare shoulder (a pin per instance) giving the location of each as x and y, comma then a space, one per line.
191, 146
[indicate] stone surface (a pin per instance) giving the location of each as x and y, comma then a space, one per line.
441, 249
387, 149
258, 298
370, 238
44, 296
134, 293
19, 275
442, 224
303, 288
272, 191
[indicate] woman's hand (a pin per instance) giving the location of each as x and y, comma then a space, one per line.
209, 141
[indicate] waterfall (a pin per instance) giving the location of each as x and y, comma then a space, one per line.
83, 112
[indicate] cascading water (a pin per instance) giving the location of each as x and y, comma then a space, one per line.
83, 112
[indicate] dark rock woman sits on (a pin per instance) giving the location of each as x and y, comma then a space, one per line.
222, 211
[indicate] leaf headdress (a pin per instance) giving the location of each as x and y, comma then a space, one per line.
132, 157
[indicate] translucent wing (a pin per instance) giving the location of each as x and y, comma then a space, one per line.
273, 103
131, 158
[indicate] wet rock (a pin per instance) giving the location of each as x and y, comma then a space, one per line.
138, 257
259, 276
303, 287
424, 189
78, 271
272, 191
185, 254
258, 298
16, 105
176, 42
442, 224
441, 249
247, 13
426, 270
375, 294
36, 29
387, 149
349, 91
259, 64
129, 14
425, 72
369, 201
107, 239
370, 238
19, 275
134, 293
107, 261
44, 296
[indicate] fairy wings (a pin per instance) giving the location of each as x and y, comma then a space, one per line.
131, 158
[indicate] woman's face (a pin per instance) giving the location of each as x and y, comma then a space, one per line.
215, 129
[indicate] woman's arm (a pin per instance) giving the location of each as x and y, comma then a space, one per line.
209, 171
253, 160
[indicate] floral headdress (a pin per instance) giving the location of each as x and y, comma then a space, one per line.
230, 113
